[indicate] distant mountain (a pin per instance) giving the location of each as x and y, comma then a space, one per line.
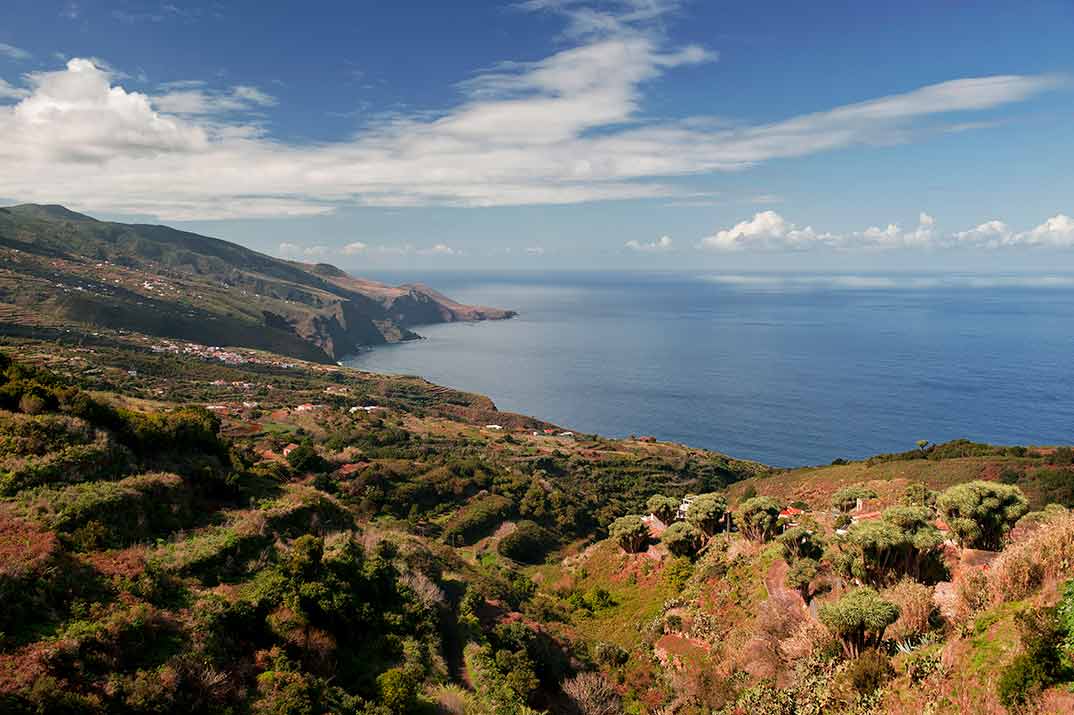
58, 266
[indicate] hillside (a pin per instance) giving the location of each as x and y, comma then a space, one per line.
181, 509
58, 267
183, 530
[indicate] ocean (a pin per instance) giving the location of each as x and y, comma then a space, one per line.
785, 369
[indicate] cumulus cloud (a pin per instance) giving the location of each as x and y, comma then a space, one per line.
564, 129
661, 245
293, 250
13, 52
768, 231
352, 249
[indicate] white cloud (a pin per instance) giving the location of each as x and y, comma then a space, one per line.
535, 251
661, 245
8, 91
1057, 232
74, 117
768, 231
565, 129
253, 95
355, 248
989, 233
293, 250
440, 249
190, 98
13, 52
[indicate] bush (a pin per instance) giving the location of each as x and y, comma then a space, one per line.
476, 519
630, 532
592, 694
1045, 554
304, 458
1041, 664
868, 672
916, 611
528, 543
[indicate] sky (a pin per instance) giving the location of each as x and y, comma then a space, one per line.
557, 134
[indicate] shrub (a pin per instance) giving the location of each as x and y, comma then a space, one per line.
916, 611
868, 672
972, 593
476, 519
630, 532
981, 513
304, 458
682, 539
1045, 554
398, 689
858, 619
528, 543
678, 572
1040, 665
757, 517
592, 694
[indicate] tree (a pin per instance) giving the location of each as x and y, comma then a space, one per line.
664, 508
706, 511
878, 552
630, 532
922, 445
682, 539
981, 513
847, 498
801, 575
304, 458
858, 619
757, 517
801, 543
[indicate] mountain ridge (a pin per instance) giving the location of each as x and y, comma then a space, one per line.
171, 283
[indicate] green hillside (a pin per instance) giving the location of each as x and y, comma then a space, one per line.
61, 268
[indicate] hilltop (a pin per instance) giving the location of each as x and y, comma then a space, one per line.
59, 268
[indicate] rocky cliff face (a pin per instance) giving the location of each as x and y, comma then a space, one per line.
161, 281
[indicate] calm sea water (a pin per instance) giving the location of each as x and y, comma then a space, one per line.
786, 369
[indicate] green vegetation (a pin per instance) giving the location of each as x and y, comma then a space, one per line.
406, 561
859, 619
757, 517
981, 513
630, 532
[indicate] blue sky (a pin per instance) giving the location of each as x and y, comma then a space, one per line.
557, 133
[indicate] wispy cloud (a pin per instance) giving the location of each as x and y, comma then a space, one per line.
565, 129
9, 91
12, 52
